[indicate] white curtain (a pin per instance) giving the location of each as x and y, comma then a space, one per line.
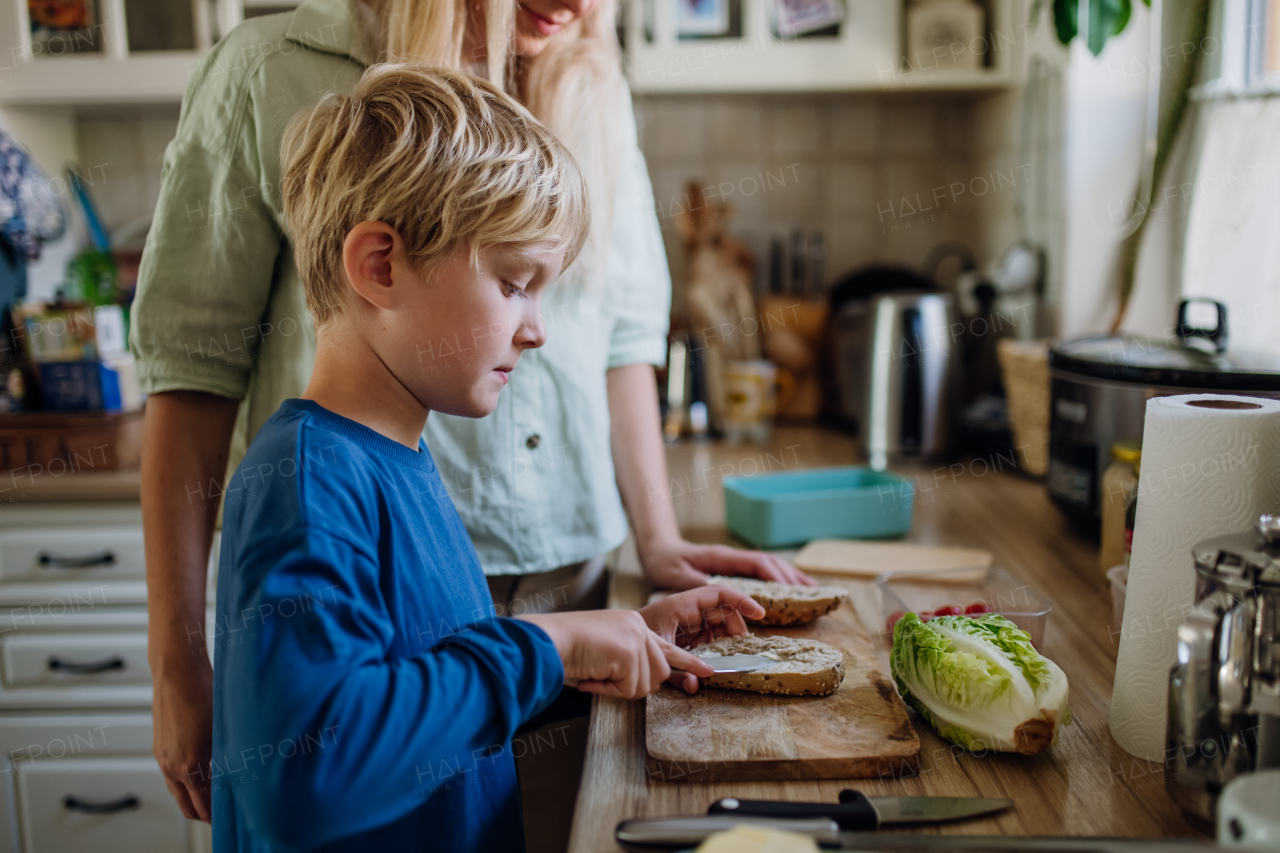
1232, 251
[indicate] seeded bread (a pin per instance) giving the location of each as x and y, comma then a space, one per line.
805, 668
785, 604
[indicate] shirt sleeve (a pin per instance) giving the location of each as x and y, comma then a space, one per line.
207, 269
342, 736
639, 282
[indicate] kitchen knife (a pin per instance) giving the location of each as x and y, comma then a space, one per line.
683, 833
857, 812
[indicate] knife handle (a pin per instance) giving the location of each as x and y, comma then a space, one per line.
854, 813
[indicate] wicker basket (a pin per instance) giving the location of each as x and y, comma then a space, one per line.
1025, 367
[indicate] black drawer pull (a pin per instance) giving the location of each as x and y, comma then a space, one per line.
105, 557
124, 804
112, 663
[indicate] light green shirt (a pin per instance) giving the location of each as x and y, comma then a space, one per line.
220, 307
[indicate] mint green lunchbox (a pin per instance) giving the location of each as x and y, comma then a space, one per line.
793, 507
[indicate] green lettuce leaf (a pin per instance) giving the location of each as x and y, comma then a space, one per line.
979, 682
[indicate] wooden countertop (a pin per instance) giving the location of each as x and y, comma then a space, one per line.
19, 486
1084, 785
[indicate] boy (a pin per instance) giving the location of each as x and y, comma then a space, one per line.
365, 694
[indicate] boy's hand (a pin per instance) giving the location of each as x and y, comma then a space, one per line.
613, 653
701, 615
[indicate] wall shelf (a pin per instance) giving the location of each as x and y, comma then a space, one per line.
113, 74
866, 55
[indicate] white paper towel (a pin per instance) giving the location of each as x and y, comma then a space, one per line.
1210, 466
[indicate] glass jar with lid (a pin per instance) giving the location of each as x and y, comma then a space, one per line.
1119, 484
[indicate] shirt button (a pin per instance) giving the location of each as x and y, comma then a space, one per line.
532, 441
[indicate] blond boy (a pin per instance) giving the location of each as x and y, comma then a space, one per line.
365, 693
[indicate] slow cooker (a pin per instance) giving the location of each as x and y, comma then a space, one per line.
1101, 386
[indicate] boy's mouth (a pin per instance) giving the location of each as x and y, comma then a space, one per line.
504, 373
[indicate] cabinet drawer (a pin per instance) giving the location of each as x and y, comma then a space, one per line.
49, 660
81, 554
98, 805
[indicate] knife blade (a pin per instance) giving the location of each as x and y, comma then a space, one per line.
680, 833
858, 812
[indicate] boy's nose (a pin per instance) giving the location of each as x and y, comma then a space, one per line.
532, 333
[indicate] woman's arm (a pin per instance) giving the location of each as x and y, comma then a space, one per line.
641, 467
184, 461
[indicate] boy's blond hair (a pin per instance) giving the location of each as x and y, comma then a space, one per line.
446, 159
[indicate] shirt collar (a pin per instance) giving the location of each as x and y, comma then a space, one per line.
331, 26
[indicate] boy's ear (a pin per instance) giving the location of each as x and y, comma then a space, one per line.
370, 255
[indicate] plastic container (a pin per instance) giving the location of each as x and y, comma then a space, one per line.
996, 588
1119, 577
775, 510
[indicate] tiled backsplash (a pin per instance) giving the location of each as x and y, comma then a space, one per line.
886, 177
123, 155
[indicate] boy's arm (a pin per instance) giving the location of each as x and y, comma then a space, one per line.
326, 733
184, 452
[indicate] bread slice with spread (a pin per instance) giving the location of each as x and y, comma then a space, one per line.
786, 604
802, 668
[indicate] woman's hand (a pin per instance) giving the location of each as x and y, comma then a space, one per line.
677, 564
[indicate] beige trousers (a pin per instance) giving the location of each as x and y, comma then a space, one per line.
549, 759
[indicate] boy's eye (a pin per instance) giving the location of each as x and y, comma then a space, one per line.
510, 289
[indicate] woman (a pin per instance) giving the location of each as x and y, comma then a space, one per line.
222, 336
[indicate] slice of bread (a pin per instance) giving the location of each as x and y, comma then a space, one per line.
805, 667
785, 604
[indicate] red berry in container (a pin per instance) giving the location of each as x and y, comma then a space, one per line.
977, 607
948, 610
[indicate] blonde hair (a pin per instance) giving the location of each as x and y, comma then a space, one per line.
447, 160
574, 86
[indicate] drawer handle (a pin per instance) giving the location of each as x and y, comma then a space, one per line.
125, 803
87, 561
112, 663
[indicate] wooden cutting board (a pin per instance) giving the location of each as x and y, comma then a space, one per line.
860, 731
867, 559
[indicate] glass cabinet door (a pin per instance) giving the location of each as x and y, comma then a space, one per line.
160, 25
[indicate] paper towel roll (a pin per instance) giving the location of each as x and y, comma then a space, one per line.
1210, 466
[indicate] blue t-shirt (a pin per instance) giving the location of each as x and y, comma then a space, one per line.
365, 694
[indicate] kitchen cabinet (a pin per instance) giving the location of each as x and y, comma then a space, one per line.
137, 51
87, 782
866, 52
76, 769
143, 51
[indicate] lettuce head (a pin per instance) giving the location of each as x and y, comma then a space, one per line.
979, 682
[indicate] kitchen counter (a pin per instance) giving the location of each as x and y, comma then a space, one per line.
1084, 785
20, 486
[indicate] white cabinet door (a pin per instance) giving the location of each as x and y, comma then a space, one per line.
97, 759
98, 805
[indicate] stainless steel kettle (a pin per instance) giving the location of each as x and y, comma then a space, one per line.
1224, 689
897, 373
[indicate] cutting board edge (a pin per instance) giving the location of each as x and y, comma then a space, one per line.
906, 764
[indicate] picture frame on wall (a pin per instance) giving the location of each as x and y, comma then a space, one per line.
64, 26
800, 17
702, 18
